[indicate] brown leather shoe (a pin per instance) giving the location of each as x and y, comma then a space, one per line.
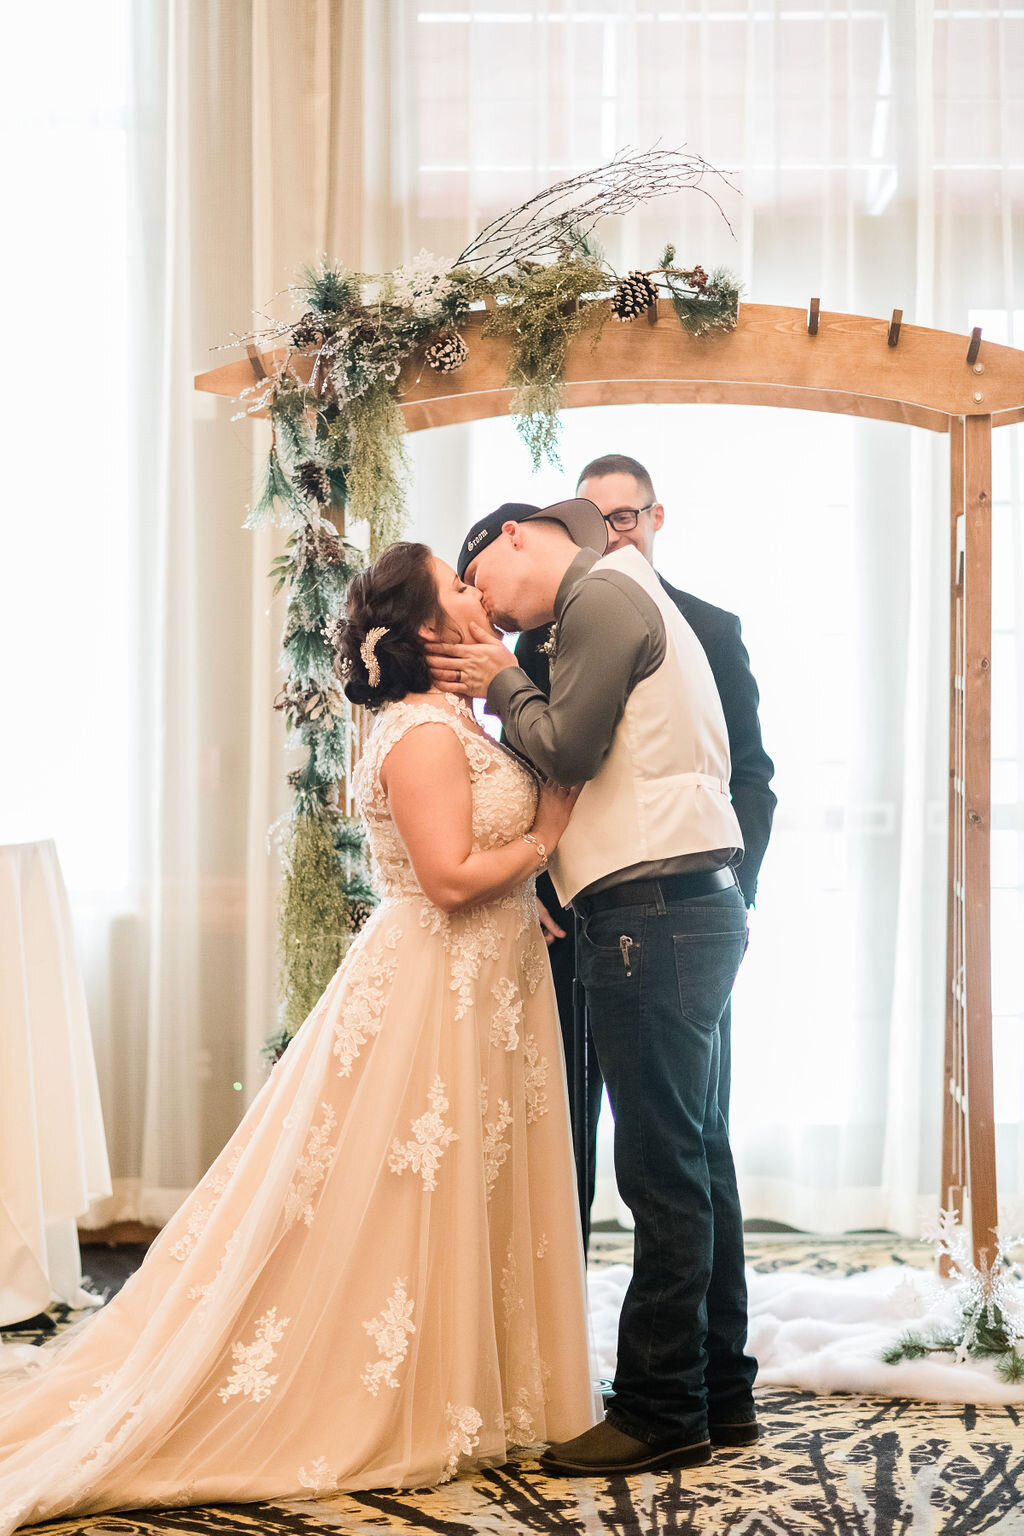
606, 1451
732, 1436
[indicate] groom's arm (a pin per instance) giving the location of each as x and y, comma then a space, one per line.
610, 637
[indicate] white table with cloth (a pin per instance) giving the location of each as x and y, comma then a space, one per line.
53, 1156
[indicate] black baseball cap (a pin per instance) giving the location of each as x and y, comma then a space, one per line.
580, 518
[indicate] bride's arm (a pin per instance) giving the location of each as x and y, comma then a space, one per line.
426, 777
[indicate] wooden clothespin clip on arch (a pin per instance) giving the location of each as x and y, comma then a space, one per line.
257, 362
974, 346
812, 317
894, 327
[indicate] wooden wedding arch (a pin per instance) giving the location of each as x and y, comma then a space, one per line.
856, 366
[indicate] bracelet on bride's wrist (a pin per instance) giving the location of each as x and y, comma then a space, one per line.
542, 852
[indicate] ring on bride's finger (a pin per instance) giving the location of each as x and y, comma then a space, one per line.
458, 675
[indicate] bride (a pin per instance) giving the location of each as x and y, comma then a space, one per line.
380, 1280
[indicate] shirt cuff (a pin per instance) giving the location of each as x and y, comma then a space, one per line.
504, 686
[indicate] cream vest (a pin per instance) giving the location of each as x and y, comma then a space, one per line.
663, 789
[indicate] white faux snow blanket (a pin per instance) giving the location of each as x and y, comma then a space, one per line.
826, 1333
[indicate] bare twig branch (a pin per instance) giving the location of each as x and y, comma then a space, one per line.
543, 223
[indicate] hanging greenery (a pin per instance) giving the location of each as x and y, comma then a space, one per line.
338, 455
540, 313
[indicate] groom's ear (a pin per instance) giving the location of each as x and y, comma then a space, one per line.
514, 532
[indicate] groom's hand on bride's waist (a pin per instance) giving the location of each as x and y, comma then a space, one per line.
469, 669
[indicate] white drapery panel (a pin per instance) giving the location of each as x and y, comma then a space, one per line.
878, 151
193, 156
197, 152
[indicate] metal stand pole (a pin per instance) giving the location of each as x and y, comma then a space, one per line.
580, 1096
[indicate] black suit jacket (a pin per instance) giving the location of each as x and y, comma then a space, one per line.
752, 768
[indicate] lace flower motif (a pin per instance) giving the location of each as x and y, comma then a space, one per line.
517, 1422
311, 1169
535, 1078
534, 964
431, 1137
511, 1297
249, 1376
201, 1209
363, 1008
507, 1015
463, 1425
495, 1149
78, 1405
319, 1478
390, 1332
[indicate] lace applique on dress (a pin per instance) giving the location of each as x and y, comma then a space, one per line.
507, 1015
201, 1293
430, 1137
535, 1077
363, 1009
390, 1332
542, 1245
517, 1422
313, 1167
78, 1405
535, 964
201, 1210
104, 1451
511, 1298
249, 1376
471, 939
496, 1150
463, 1425
319, 1478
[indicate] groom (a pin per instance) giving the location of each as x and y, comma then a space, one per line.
634, 715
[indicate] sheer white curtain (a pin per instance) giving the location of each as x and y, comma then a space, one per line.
185, 157
877, 148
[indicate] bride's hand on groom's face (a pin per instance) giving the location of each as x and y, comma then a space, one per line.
468, 670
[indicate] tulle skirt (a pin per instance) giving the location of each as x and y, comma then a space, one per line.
380, 1280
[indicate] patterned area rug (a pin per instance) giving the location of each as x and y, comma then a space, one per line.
831, 1466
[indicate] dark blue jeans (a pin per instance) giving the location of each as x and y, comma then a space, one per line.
658, 977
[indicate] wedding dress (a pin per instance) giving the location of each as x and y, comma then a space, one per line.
379, 1282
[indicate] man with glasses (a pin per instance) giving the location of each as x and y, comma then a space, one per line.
622, 490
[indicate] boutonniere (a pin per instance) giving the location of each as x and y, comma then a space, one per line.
550, 646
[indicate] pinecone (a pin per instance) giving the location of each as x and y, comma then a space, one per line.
633, 294
359, 910
447, 353
309, 331
314, 482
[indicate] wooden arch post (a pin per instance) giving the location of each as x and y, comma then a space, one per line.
853, 365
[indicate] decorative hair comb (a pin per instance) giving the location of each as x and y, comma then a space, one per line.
368, 652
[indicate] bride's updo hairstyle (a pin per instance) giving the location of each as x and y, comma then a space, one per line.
397, 593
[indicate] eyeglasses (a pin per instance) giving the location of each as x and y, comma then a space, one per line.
626, 519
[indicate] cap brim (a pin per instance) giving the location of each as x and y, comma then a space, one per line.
582, 520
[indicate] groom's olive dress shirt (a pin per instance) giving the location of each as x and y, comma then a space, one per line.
609, 636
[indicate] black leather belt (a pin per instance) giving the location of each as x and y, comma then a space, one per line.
641, 893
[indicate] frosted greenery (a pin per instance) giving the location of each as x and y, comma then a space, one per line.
378, 471
540, 313
323, 900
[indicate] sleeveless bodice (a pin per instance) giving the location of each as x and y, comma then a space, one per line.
504, 790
